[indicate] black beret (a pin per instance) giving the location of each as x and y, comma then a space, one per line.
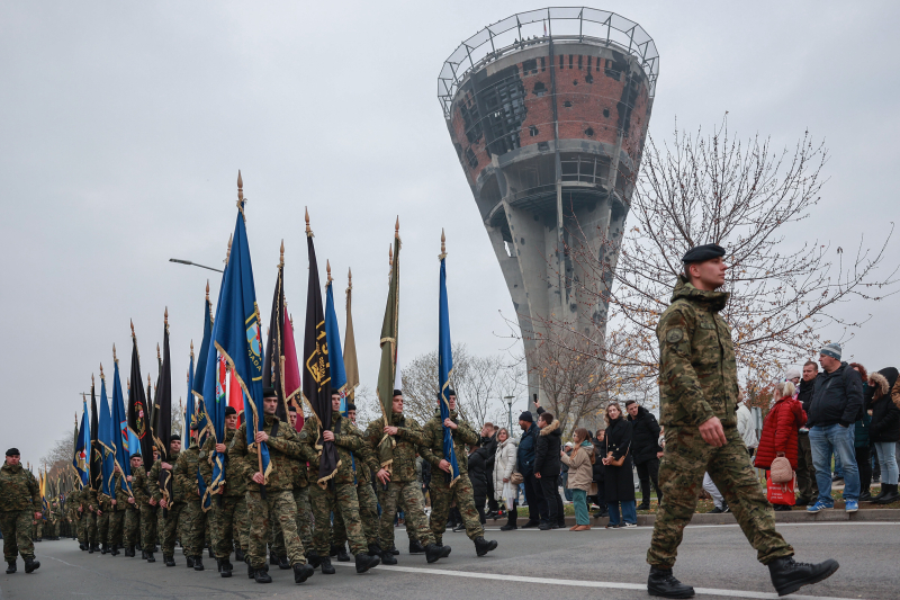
397, 393
703, 253
175, 438
136, 455
350, 406
230, 410
292, 408
12, 452
269, 392
526, 416
450, 392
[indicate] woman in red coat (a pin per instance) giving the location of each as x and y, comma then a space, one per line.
780, 430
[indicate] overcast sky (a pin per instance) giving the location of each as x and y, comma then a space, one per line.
123, 125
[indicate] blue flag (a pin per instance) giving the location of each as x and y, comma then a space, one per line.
445, 368
83, 449
196, 381
335, 356
121, 436
237, 336
107, 445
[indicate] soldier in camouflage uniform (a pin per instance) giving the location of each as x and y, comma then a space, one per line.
81, 523
92, 510
105, 508
304, 512
193, 516
698, 402
230, 519
339, 494
117, 516
20, 504
442, 492
127, 498
37, 528
279, 505
74, 515
368, 508
174, 505
143, 498
396, 446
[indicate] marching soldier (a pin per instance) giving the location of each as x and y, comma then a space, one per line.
20, 504
146, 504
339, 494
103, 512
132, 506
443, 491
174, 506
398, 441
278, 505
368, 507
698, 400
304, 512
230, 518
117, 516
193, 516
92, 510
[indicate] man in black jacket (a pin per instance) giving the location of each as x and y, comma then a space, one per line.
489, 444
537, 508
546, 469
644, 448
806, 472
836, 404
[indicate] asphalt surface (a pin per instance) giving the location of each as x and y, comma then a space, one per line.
608, 564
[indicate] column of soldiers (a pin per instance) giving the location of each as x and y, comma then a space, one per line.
285, 517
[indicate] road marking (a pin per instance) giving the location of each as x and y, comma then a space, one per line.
608, 585
778, 525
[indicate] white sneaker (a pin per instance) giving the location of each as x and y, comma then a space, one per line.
630, 525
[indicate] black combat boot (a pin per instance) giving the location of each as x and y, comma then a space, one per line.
31, 565
789, 576
283, 563
211, 553
169, 560
198, 563
261, 574
663, 583
313, 558
273, 559
482, 546
342, 554
394, 550
83, 547
238, 554
302, 572
114, 550
104, 548
387, 558
327, 567
364, 562
433, 553
221, 567
12, 567
129, 551
416, 547
251, 572
375, 550
190, 561
150, 558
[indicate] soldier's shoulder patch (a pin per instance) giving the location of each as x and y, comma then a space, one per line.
675, 335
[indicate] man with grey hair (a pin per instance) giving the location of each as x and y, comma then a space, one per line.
837, 403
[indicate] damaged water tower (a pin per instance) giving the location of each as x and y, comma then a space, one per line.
548, 113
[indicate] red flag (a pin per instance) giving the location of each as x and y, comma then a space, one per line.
291, 370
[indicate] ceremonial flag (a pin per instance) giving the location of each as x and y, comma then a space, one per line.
122, 437
105, 438
333, 339
317, 374
162, 410
237, 335
209, 387
230, 384
190, 408
273, 364
138, 411
82, 449
198, 377
387, 371
292, 371
445, 364
351, 366
96, 456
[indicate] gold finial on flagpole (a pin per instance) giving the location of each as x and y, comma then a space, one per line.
101, 371
328, 279
192, 348
149, 383
309, 232
158, 354
228, 252
240, 200
115, 360
132, 327
281, 260
443, 253
128, 383
92, 380
397, 228
207, 290
166, 318
349, 278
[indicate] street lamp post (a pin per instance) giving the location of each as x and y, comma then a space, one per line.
509, 403
193, 264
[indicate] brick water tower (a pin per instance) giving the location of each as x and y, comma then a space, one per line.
548, 113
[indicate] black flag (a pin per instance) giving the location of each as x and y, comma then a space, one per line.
96, 456
272, 367
316, 368
138, 411
162, 410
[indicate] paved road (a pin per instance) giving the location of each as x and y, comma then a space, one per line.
528, 564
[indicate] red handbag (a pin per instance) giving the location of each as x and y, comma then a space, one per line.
780, 493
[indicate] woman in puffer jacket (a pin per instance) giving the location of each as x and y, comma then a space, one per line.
884, 432
780, 431
504, 465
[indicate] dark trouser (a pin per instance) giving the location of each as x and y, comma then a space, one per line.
876, 463
806, 472
512, 515
553, 500
492, 502
649, 472
480, 501
537, 508
863, 459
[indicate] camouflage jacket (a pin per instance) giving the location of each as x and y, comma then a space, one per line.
153, 479
72, 505
18, 489
405, 447
89, 500
235, 482
186, 472
139, 481
697, 367
284, 448
354, 454
122, 494
432, 444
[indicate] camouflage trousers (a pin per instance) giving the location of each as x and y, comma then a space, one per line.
38, 528
161, 523
193, 528
368, 516
337, 497
172, 530
103, 527
131, 527
407, 497
278, 509
90, 527
116, 523
81, 528
230, 524
442, 495
686, 458
149, 532
16, 526
304, 524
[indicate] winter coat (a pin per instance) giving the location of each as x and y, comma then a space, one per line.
885, 425
525, 452
490, 446
478, 472
504, 464
619, 481
546, 450
779, 433
645, 436
581, 471
861, 427
599, 467
745, 426
837, 399
805, 393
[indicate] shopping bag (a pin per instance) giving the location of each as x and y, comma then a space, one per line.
780, 493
